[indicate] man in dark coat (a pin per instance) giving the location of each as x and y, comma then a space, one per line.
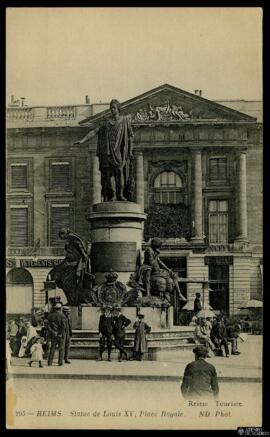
120, 322
200, 377
105, 331
232, 332
68, 334
56, 331
197, 303
219, 336
140, 341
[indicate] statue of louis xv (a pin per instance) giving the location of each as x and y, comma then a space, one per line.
114, 150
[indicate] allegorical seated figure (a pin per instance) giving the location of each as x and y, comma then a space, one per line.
154, 275
71, 274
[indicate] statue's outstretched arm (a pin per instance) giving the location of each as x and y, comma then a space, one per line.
88, 136
163, 265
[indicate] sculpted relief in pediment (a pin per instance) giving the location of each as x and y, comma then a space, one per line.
165, 112
171, 111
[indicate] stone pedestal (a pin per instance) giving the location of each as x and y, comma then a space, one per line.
76, 317
91, 315
158, 318
116, 235
87, 317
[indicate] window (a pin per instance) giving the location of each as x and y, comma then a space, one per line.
218, 169
218, 221
19, 179
18, 226
60, 176
59, 218
167, 186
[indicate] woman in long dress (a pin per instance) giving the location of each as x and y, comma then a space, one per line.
140, 338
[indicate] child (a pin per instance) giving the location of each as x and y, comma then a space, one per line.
23, 346
36, 352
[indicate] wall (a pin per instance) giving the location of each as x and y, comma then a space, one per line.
39, 276
255, 278
239, 282
196, 269
254, 193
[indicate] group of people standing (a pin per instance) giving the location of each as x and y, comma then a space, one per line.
22, 335
26, 340
112, 331
56, 332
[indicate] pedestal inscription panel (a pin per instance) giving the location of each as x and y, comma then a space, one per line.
118, 256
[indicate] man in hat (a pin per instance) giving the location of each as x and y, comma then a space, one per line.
56, 331
105, 331
68, 333
200, 377
197, 303
48, 307
120, 322
232, 332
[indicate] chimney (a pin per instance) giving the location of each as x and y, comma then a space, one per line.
198, 92
12, 99
22, 101
87, 100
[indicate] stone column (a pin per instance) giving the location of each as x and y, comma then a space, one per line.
139, 179
95, 179
198, 203
242, 198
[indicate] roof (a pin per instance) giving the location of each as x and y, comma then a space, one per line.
187, 99
254, 108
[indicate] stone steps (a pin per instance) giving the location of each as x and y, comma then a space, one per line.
85, 343
152, 341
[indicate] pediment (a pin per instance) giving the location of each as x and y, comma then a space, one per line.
167, 104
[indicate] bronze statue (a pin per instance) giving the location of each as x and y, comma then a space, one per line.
114, 150
155, 276
73, 275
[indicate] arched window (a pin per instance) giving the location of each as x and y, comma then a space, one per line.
167, 188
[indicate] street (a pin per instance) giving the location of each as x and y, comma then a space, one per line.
134, 395
79, 404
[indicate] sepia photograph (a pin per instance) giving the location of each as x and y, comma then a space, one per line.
134, 218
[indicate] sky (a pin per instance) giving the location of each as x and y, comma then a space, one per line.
56, 56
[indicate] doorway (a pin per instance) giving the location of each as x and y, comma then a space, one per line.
219, 288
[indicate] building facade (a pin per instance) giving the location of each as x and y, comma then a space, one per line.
198, 173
